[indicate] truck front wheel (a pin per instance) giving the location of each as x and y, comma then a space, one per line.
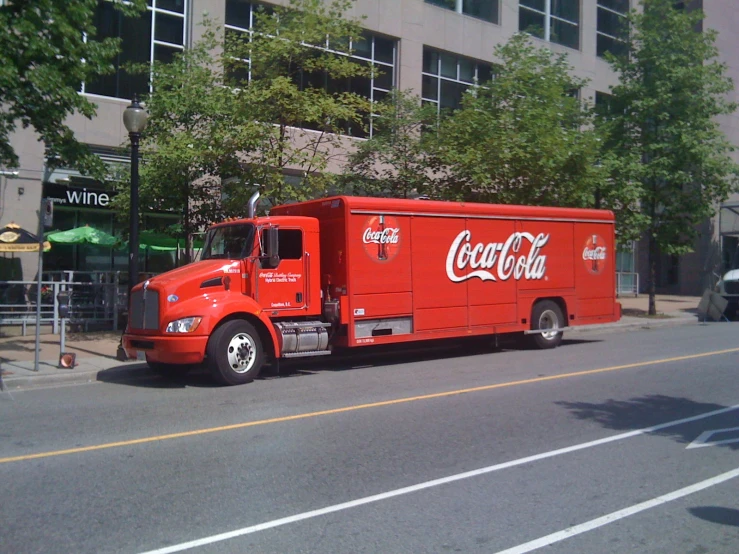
546, 315
235, 354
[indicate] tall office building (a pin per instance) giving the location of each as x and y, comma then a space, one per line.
436, 48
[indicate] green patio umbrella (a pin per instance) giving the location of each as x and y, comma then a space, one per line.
82, 235
162, 242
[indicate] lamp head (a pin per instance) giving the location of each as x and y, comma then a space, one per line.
135, 117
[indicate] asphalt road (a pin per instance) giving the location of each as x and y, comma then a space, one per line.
614, 442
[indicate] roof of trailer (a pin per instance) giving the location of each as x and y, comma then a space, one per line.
401, 206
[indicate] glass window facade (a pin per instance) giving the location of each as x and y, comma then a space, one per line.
139, 45
373, 51
445, 77
611, 27
551, 20
487, 10
603, 104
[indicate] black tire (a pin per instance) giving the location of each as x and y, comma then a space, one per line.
546, 315
235, 353
168, 371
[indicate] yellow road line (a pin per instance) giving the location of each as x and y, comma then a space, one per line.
354, 408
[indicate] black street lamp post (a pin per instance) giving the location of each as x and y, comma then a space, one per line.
134, 118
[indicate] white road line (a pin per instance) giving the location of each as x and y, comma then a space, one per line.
620, 514
427, 485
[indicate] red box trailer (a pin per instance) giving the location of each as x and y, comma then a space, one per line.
350, 271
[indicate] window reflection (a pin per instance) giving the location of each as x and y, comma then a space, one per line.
374, 51
551, 20
137, 44
480, 9
446, 77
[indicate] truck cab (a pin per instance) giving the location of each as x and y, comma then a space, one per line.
255, 293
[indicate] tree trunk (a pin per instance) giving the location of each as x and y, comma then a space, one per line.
652, 281
188, 232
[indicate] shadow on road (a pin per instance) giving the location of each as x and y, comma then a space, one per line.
147, 378
637, 413
369, 356
389, 355
717, 514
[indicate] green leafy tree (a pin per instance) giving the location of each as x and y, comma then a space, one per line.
47, 49
297, 78
199, 136
396, 161
524, 137
663, 136
235, 114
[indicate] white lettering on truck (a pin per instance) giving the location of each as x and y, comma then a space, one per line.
505, 258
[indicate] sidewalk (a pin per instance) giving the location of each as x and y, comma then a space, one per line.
96, 351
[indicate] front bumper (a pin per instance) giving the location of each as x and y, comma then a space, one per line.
170, 349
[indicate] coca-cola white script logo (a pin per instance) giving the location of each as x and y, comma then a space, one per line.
595, 254
381, 237
503, 259
391, 235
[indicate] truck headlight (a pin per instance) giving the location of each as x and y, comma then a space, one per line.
184, 325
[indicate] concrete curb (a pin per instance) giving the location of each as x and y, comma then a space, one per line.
631, 322
17, 378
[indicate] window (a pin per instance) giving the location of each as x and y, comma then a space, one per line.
481, 9
290, 244
138, 44
668, 270
603, 104
627, 279
370, 50
446, 77
228, 242
551, 20
611, 27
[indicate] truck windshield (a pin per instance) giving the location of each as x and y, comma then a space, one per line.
231, 242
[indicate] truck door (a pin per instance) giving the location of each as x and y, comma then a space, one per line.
284, 287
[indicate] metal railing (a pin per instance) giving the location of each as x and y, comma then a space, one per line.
627, 283
97, 300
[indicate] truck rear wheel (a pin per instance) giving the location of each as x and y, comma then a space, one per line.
546, 315
235, 353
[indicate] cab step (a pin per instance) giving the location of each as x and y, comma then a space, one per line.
307, 354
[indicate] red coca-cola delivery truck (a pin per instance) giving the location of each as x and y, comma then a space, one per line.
348, 272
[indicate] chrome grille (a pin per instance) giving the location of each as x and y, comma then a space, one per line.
144, 310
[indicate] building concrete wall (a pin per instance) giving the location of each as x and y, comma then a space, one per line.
698, 269
414, 23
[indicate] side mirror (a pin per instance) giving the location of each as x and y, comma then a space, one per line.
271, 247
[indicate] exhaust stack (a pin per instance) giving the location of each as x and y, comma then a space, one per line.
252, 206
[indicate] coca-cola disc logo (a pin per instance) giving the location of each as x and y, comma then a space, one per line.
595, 254
381, 237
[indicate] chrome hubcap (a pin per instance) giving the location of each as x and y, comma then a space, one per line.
548, 320
241, 353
